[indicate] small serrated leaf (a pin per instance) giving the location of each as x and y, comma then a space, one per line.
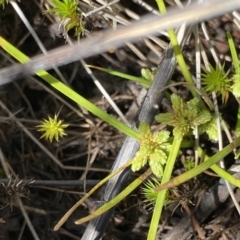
185, 116
153, 147
156, 168
139, 161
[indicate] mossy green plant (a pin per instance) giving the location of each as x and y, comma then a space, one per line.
3, 3
150, 196
154, 149
52, 128
189, 164
67, 11
210, 128
215, 79
185, 116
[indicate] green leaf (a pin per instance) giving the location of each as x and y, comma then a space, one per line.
166, 118
158, 156
68, 12
148, 74
236, 85
144, 130
210, 128
161, 137
3, 2
185, 116
140, 80
234, 53
153, 148
156, 168
139, 161
202, 118
148, 192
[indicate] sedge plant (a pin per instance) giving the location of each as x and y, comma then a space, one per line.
189, 114
3, 2
54, 128
151, 152
156, 149
70, 16
235, 88
168, 170
186, 116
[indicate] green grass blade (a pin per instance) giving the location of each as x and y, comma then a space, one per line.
233, 53
180, 59
177, 50
200, 168
140, 80
67, 91
237, 69
117, 199
219, 171
87, 195
162, 195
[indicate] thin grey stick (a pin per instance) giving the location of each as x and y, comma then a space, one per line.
101, 42
148, 110
55, 183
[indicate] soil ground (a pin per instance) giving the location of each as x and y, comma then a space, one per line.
91, 146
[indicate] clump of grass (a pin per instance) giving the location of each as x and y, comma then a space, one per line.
3, 2
155, 148
68, 12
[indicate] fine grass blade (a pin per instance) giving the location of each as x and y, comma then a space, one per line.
200, 168
140, 80
116, 199
67, 91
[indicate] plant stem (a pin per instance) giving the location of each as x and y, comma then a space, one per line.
219, 171
125, 76
200, 168
116, 199
234, 54
162, 195
178, 53
68, 92
180, 60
